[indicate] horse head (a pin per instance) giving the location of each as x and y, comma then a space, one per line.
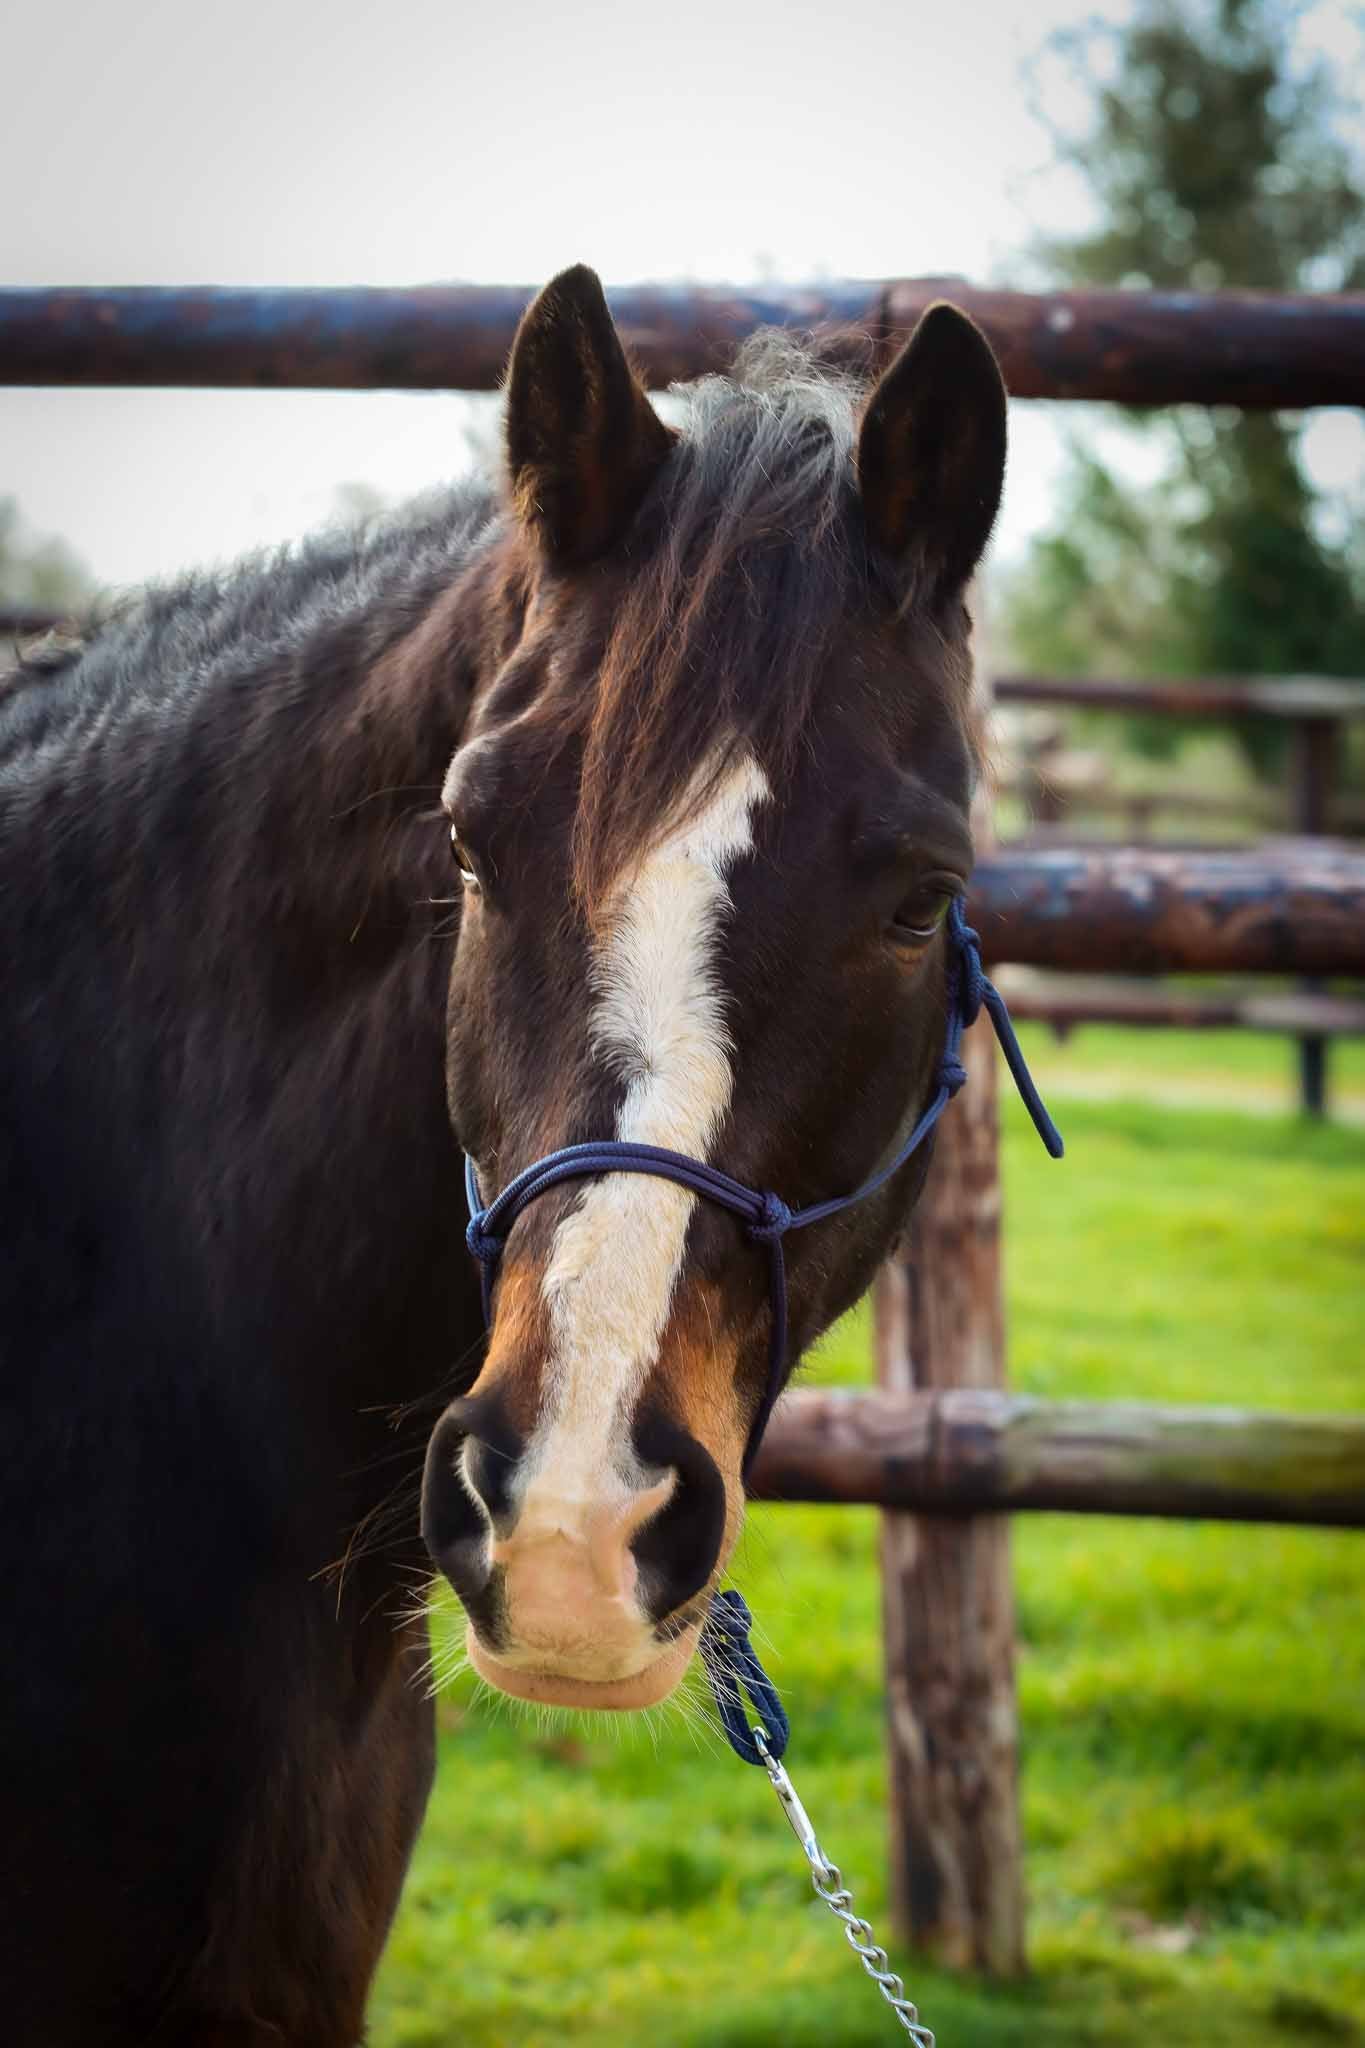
709, 813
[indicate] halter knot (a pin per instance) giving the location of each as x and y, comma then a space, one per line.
486, 1247
952, 1075
774, 1219
730, 1616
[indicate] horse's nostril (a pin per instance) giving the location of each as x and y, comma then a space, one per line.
466, 1489
453, 1527
489, 1469
676, 1551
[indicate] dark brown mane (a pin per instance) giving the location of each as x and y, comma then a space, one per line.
755, 555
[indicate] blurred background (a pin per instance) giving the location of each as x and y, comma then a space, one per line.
1192, 1697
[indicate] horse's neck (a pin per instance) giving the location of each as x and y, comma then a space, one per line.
253, 1085
366, 946
361, 920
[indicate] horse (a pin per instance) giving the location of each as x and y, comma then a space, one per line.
623, 796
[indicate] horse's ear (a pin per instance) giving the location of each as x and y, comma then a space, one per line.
583, 441
931, 452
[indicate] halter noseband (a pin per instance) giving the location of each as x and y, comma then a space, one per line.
766, 1217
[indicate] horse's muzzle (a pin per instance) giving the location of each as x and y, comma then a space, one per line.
550, 1688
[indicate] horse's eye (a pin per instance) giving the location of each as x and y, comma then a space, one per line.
464, 863
920, 916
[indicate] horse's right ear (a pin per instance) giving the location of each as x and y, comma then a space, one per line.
583, 440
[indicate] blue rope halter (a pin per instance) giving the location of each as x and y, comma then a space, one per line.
766, 1219
765, 1216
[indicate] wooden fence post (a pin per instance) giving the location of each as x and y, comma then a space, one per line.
947, 1596
947, 1600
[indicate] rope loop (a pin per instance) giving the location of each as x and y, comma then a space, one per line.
773, 1220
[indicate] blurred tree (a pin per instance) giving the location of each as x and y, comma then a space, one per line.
1213, 158
357, 503
37, 575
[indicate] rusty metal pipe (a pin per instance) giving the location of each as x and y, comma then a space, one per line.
1285, 907
434, 338
1256, 349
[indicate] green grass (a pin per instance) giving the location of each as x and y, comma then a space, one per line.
1192, 1697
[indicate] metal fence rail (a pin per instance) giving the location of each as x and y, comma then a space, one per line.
1255, 349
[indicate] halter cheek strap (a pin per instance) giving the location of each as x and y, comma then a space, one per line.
765, 1216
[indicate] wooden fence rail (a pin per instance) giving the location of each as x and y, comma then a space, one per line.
973, 1450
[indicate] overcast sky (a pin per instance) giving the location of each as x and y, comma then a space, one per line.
292, 141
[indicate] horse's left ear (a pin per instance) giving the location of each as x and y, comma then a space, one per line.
583, 440
931, 452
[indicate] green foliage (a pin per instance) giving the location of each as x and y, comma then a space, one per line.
1193, 1769
1213, 159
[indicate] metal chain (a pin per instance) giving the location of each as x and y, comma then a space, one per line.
829, 1886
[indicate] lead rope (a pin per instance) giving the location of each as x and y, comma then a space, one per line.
731, 1664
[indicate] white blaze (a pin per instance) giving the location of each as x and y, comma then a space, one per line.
658, 1019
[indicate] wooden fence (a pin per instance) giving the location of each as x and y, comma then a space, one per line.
943, 1449
982, 1451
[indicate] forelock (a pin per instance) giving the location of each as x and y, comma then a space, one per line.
751, 557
